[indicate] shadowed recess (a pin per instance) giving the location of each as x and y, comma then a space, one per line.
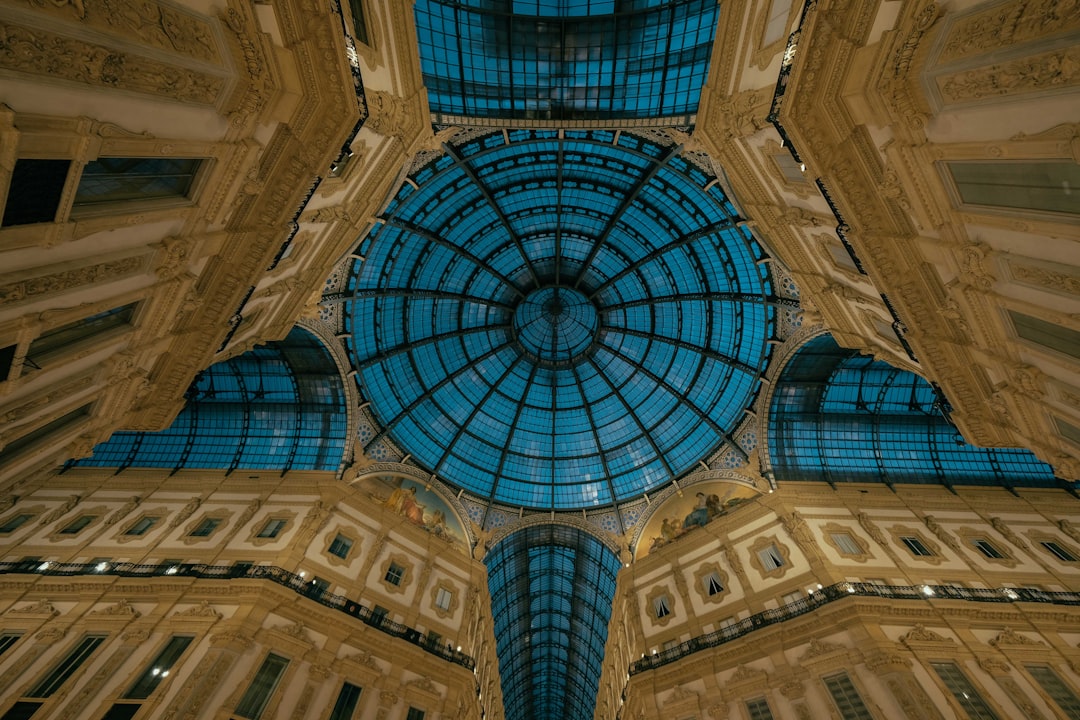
551, 592
559, 320
566, 59
838, 416
277, 407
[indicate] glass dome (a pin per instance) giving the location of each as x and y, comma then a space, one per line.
559, 320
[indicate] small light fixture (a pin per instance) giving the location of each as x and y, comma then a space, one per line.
927, 591
1010, 593
43, 566
802, 166
303, 573
172, 570
101, 566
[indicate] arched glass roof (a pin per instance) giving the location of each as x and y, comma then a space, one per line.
551, 592
838, 416
559, 319
565, 59
277, 407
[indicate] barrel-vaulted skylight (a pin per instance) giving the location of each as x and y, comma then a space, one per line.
565, 59
559, 320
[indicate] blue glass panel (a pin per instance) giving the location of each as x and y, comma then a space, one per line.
546, 312
551, 593
277, 407
565, 59
837, 416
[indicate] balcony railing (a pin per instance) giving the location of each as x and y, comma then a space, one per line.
842, 590
293, 581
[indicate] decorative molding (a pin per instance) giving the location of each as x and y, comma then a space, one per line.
1008, 636
920, 634
818, 648
203, 610
120, 608
41, 607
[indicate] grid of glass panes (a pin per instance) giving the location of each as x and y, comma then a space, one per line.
838, 416
279, 407
568, 60
847, 698
758, 709
115, 179
552, 588
679, 289
964, 692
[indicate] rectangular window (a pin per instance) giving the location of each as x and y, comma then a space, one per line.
7, 640
114, 180
1046, 186
394, 573
66, 667
205, 528
846, 697
987, 548
7, 357
272, 527
964, 692
122, 711
78, 525
1055, 687
318, 586
359, 24
346, 703
262, 687
142, 526
415, 714
14, 522
341, 546
378, 613
65, 337
159, 669
915, 545
770, 558
49, 430
1047, 334
35, 191
661, 606
758, 709
846, 543
22, 710
711, 583
1068, 431
443, 598
1058, 551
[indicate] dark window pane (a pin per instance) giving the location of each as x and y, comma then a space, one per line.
262, 687
159, 669
121, 712
346, 702
66, 667
36, 187
22, 711
108, 180
63, 337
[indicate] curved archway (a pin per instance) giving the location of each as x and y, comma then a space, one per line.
277, 407
838, 416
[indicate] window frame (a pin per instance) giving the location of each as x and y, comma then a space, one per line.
252, 707
103, 208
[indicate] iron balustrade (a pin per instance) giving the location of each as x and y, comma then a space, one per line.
839, 591
296, 583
